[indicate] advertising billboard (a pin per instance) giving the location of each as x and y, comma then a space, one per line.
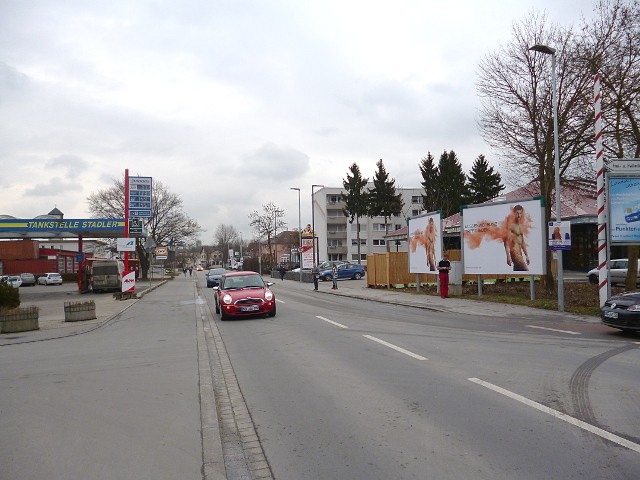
504, 238
624, 209
425, 243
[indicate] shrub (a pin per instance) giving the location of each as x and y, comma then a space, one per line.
9, 296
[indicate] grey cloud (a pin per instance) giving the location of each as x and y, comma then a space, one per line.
72, 164
275, 163
54, 187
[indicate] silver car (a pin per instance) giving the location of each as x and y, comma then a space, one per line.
50, 279
617, 271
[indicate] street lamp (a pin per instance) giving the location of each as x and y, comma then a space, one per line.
313, 225
299, 233
552, 51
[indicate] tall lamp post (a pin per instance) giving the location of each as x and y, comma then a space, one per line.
552, 51
313, 226
299, 233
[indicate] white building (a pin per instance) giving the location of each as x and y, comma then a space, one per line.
337, 238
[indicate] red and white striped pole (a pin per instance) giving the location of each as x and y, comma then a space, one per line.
602, 220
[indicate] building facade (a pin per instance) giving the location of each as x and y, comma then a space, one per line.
337, 238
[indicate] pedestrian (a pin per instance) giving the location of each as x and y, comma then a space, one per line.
184, 270
315, 272
334, 276
443, 267
282, 271
190, 270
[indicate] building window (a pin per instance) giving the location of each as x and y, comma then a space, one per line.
416, 199
337, 228
336, 256
415, 213
378, 242
363, 256
334, 242
354, 228
378, 227
354, 241
333, 199
333, 213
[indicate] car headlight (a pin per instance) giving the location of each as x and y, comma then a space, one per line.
634, 308
268, 295
227, 299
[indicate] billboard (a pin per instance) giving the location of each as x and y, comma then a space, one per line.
624, 209
425, 243
504, 238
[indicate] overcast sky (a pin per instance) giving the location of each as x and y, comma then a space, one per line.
230, 103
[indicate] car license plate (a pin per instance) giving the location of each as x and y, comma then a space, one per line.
250, 308
611, 314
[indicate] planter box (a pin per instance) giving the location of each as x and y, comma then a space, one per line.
78, 311
21, 319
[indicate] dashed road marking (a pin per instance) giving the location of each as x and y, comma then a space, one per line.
331, 322
554, 330
396, 348
559, 415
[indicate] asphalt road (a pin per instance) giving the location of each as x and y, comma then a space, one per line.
333, 387
342, 388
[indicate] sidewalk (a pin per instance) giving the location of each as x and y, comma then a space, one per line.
51, 312
466, 306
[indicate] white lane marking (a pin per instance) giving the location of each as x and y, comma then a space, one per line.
395, 347
561, 416
281, 301
331, 322
554, 330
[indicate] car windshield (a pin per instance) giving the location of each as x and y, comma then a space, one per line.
217, 271
243, 281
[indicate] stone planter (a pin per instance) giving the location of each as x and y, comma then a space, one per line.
21, 319
78, 311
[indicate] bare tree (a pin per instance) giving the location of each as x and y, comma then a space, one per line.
516, 117
168, 223
611, 48
268, 224
224, 236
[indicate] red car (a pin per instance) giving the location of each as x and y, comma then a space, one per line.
243, 294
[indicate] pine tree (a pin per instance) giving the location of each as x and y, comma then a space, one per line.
429, 183
484, 183
356, 199
452, 189
385, 202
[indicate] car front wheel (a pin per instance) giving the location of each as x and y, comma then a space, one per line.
357, 276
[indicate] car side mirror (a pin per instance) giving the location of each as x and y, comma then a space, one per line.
269, 284
216, 288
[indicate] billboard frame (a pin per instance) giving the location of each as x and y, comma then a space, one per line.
415, 259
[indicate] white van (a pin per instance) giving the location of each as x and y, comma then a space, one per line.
106, 275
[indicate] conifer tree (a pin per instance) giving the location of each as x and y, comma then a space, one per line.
484, 183
429, 183
452, 188
356, 200
385, 202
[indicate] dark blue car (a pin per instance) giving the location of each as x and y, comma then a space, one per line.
351, 271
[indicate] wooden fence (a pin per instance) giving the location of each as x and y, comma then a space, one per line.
392, 268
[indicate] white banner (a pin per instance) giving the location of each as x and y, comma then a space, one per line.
126, 244
425, 243
504, 238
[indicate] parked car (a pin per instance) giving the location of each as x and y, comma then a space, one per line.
242, 294
214, 275
351, 271
617, 272
14, 280
622, 311
50, 279
28, 279
327, 265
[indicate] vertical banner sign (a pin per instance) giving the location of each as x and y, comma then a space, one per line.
140, 197
128, 281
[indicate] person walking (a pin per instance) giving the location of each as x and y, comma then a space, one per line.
334, 277
443, 272
282, 271
315, 272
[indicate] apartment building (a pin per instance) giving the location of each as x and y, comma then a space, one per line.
337, 238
